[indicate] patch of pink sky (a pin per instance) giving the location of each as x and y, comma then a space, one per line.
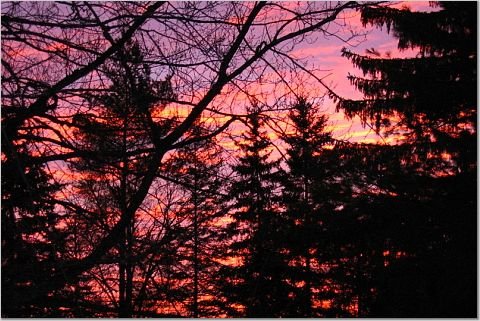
325, 56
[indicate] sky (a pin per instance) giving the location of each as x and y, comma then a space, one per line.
322, 54
325, 55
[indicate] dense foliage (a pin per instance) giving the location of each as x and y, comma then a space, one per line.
433, 213
142, 176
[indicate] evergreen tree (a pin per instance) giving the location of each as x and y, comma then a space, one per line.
197, 169
434, 94
119, 125
254, 286
312, 192
32, 241
404, 253
305, 143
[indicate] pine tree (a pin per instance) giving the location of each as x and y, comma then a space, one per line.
32, 242
197, 169
310, 197
434, 95
254, 286
119, 126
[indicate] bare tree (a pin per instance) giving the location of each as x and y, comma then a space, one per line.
214, 56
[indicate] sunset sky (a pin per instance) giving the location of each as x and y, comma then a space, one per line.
187, 159
333, 69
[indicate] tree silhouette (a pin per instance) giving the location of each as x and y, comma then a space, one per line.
67, 56
118, 200
31, 238
119, 128
305, 200
445, 65
433, 94
256, 282
197, 169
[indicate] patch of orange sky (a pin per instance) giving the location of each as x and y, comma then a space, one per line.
324, 57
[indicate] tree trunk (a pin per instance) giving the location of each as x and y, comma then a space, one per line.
195, 247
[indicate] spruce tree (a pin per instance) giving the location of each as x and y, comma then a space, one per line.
119, 125
434, 96
32, 242
310, 196
197, 170
434, 93
254, 286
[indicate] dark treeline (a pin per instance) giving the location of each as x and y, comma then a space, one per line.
117, 204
